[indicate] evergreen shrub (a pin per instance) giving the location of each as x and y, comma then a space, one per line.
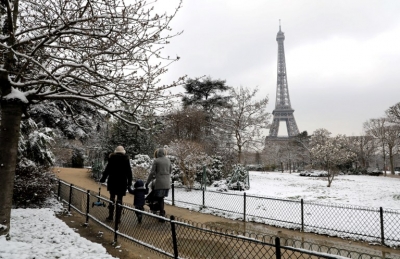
33, 184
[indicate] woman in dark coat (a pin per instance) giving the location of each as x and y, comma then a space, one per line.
119, 174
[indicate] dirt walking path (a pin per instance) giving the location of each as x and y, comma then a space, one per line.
82, 178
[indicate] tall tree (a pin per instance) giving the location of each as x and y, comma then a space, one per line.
392, 141
208, 95
134, 141
365, 147
184, 124
245, 119
105, 53
394, 113
377, 128
205, 93
301, 147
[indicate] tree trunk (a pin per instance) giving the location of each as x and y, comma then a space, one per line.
330, 178
391, 160
11, 113
239, 154
384, 158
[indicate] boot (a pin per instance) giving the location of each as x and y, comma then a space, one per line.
139, 217
162, 214
110, 212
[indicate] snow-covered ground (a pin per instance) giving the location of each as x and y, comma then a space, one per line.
350, 208
361, 190
39, 234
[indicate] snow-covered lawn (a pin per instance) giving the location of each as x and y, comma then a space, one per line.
39, 234
361, 190
350, 208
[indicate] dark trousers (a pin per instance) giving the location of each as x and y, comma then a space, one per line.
160, 201
111, 206
138, 214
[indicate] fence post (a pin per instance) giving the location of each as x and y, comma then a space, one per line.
59, 190
204, 179
244, 206
87, 205
70, 197
302, 215
277, 248
203, 198
173, 194
382, 227
174, 240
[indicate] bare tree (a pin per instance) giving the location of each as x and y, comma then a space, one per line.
394, 113
392, 141
245, 119
105, 53
190, 156
184, 124
387, 135
365, 147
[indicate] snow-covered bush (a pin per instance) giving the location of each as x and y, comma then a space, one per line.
33, 184
190, 158
141, 160
34, 143
314, 173
196, 186
141, 166
215, 172
239, 178
221, 185
176, 174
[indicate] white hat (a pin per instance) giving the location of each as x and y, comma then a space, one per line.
120, 149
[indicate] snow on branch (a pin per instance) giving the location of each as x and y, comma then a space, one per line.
106, 53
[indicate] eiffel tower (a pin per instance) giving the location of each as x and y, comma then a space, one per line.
283, 110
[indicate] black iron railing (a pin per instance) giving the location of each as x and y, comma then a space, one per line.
179, 238
376, 225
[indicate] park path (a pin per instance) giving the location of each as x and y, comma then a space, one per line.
82, 178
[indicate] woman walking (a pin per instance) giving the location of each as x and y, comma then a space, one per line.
119, 174
161, 172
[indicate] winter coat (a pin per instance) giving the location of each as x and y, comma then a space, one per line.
119, 174
161, 171
140, 193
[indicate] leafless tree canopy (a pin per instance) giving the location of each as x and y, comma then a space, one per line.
387, 134
245, 119
394, 113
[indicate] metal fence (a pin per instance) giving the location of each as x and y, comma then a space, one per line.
377, 225
180, 238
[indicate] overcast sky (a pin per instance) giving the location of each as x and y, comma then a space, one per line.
342, 57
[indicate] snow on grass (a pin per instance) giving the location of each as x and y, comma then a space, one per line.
350, 208
39, 234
